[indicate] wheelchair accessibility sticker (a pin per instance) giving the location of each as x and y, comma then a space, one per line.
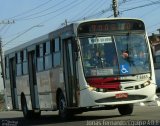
124, 69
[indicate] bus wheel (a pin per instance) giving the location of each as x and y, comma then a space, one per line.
26, 112
125, 109
63, 112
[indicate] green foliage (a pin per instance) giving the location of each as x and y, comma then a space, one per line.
1, 97
1, 102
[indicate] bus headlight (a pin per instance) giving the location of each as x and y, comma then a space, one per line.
92, 88
147, 83
97, 89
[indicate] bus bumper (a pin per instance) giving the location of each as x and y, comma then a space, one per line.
94, 98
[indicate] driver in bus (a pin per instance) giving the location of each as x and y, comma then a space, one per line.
98, 59
125, 54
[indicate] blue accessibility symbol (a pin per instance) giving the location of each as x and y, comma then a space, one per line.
124, 69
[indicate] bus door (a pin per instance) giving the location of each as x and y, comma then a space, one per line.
32, 79
70, 73
12, 65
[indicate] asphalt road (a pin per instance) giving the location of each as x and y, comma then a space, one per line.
142, 115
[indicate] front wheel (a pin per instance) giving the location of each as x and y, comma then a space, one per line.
125, 109
64, 113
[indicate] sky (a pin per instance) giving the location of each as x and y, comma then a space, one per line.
30, 19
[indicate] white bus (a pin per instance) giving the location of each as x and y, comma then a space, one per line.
87, 65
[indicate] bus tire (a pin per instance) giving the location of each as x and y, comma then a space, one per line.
26, 113
125, 109
63, 112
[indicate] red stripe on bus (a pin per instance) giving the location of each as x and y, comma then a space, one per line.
109, 83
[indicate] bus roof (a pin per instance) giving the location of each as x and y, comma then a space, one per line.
102, 19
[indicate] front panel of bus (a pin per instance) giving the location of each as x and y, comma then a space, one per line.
116, 61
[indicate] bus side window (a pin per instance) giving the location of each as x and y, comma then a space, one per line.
7, 67
25, 62
19, 57
40, 60
56, 53
48, 55
52, 47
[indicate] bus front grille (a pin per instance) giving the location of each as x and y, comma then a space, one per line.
114, 99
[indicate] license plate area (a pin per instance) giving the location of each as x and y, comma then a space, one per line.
121, 95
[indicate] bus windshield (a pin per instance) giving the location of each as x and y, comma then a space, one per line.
122, 54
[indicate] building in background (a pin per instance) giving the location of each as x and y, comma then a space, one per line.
155, 44
155, 41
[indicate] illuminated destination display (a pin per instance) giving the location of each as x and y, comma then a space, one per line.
110, 26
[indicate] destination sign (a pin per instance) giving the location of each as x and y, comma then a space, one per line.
110, 26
